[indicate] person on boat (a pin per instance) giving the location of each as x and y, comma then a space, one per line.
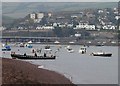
35, 54
24, 54
44, 54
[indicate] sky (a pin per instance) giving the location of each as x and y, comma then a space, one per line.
59, 0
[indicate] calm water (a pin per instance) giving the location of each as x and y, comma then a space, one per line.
80, 68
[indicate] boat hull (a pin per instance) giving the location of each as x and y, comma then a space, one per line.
18, 56
6, 49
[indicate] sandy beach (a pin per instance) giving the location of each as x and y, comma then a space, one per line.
16, 72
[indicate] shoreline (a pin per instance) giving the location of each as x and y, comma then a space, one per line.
19, 72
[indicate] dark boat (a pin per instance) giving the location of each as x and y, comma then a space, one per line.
29, 57
102, 54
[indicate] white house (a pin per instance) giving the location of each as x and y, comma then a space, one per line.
44, 27
32, 15
86, 27
109, 27
40, 15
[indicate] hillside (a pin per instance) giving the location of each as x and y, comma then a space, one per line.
21, 9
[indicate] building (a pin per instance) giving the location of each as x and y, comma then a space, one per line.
33, 16
40, 15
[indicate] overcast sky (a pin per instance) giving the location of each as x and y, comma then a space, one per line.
59, 0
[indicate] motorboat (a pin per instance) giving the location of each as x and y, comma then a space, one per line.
82, 50
70, 50
6, 48
104, 54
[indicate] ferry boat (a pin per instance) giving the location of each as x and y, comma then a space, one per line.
30, 57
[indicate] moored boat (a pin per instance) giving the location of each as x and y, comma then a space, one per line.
82, 50
30, 57
6, 48
70, 50
102, 54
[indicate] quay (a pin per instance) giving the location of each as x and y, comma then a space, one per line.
62, 40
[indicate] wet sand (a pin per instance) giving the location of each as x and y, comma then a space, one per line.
16, 72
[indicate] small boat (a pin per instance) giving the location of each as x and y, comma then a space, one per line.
102, 54
68, 47
71, 42
100, 45
56, 42
70, 50
29, 57
6, 48
30, 42
82, 50
28, 45
21, 45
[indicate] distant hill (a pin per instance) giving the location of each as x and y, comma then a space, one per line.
21, 9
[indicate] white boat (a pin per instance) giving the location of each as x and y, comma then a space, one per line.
29, 42
70, 50
71, 42
103, 54
56, 42
82, 50
68, 47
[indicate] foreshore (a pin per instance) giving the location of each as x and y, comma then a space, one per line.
18, 72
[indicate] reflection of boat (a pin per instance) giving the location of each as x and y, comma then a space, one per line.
102, 54
29, 57
6, 48
82, 50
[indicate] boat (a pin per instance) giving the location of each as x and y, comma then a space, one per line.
30, 42
28, 45
6, 48
29, 57
102, 54
56, 42
21, 45
71, 42
82, 50
100, 45
70, 50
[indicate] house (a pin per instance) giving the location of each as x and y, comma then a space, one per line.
33, 16
109, 27
85, 26
44, 27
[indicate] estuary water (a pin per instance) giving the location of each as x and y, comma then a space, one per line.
79, 68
